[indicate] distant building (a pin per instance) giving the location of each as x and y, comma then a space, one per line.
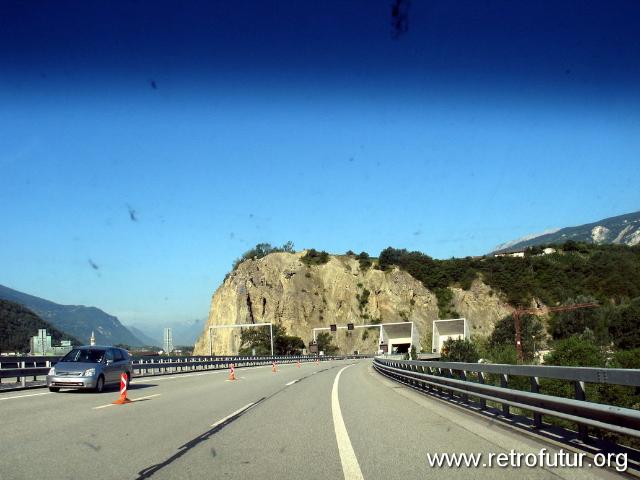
510, 254
40, 344
168, 341
521, 253
92, 340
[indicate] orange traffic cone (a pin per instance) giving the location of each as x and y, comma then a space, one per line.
298, 364
232, 372
273, 367
123, 391
317, 361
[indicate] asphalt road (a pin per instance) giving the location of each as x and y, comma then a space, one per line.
314, 422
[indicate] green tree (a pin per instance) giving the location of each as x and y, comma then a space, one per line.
364, 260
325, 344
564, 324
576, 351
426, 342
531, 330
459, 350
314, 257
259, 338
624, 327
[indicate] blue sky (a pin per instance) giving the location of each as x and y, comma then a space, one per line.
223, 126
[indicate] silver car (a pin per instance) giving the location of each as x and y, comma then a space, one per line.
90, 368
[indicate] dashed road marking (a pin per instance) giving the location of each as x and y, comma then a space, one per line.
23, 396
240, 410
132, 401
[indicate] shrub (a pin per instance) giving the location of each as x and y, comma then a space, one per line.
314, 257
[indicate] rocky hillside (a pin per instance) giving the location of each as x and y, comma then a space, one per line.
621, 230
280, 288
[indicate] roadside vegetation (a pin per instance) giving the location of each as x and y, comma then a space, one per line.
260, 340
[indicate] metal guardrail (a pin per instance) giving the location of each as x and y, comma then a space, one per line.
25, 368
457, 380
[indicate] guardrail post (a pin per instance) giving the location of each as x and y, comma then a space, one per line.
535, 388
504, 383
463, 377
483, 402
583, 430
450, 375
23, 378
423, 384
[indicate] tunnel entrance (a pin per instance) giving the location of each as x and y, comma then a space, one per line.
401, 348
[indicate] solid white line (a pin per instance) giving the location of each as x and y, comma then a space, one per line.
350, 465
132, 401
23, 396
240, 410
291, 382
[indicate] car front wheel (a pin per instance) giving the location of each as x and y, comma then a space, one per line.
99, 385
54, 389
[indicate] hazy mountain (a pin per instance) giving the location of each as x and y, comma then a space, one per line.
147, 340
623, 229
76, 320
184, 333
18, 324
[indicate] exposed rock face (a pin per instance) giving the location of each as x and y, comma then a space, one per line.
480, 306
280, 288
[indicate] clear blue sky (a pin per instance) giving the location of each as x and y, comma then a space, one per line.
223, 125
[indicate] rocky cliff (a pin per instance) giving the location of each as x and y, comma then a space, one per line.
280, 288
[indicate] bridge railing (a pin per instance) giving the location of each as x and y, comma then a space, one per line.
461, 380
29, 370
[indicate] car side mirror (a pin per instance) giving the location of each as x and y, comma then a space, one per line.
109, 362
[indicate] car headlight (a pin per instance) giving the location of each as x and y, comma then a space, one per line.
52, 371
89, 372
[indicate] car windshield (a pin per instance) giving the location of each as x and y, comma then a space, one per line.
84, 356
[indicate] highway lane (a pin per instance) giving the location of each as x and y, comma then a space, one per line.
263, 425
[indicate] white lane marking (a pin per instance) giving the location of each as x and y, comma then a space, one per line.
23, 396
291, 382
132, 401
350, 465
240, 410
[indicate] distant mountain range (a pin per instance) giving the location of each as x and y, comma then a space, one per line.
623, 230
75, 320
146, 340
183, 333
18, 324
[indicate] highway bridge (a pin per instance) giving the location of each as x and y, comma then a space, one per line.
332, 420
